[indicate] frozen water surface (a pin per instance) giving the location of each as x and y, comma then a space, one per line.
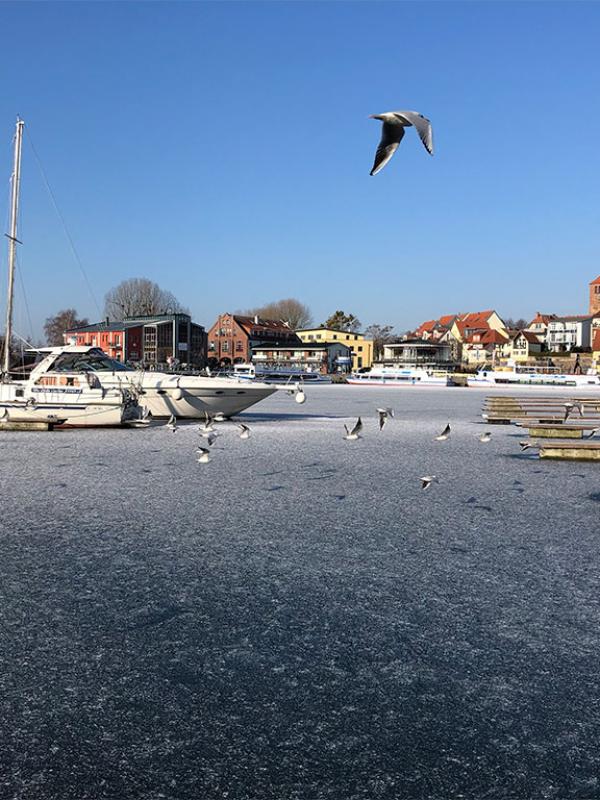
298, 619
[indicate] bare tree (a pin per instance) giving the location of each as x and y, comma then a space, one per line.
64, 320
381, 335
296, 314
138, 297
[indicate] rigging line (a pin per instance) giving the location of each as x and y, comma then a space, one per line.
24, 293
62, 219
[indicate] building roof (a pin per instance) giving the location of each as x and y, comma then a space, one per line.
596, 280
104, 327
573, 318
331, 330
300, 346
489, 336
529, 336
252, 323
543, 318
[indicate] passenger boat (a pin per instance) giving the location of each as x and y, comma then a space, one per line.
527, 375
257, 372
380, 375
162, 393
47, 395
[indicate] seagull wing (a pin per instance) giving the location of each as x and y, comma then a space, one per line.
446, 430
422, 125
391, 136
382, 416
357, 428
203, 451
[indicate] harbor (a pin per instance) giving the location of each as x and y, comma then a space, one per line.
300, 604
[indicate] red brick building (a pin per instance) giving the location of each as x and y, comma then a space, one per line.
232, 337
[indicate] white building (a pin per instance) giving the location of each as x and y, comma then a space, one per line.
565, 333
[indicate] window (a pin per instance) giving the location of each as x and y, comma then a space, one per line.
360, 348
239, 347
225, 346
347, 337
318, 335
334, 336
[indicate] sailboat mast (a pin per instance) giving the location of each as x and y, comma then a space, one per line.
12, 242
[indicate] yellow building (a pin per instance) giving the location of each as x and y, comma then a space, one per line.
362, 348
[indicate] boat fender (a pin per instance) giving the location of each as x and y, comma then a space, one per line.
177, 394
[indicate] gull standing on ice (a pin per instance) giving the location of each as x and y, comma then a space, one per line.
525, 446
392, 132
203, 455
384, 413
172, 423
354, 433
444, 434
485, 437
207, 426
427, 480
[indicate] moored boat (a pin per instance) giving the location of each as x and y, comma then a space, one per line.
526, 375
398, 376
163, 393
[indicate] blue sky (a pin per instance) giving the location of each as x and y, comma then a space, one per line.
224, 149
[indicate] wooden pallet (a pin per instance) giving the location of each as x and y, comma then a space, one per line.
581, 451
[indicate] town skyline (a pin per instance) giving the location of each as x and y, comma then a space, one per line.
184, 167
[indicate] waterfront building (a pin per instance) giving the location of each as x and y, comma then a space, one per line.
418, 352
157, 341
539, 325
522, 346
361, 347
323, 357
233, 337
566, 333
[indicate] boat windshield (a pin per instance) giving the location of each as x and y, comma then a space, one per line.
93, 361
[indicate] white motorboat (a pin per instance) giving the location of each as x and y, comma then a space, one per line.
252, 372
162, 393
45, 395
380, 375
73, 399
526, 375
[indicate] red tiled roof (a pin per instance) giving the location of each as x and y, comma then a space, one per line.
529, 335
489, 336
595, 281
447, 321
545, 318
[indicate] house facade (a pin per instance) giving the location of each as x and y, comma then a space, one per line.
361, 347
233, 337
418, 352
566, 333
325, 357
522, 346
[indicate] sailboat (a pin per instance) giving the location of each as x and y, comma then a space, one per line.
66, 398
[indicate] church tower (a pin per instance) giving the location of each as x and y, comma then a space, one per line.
595, 296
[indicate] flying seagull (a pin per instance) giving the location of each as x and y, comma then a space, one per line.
427, 480
568, 408
485, 437
392, 132
524, 446
384, 413
245, 434
203, 455
354, 433
172, 423
444, 434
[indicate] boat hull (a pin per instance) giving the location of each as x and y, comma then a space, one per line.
188, 397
